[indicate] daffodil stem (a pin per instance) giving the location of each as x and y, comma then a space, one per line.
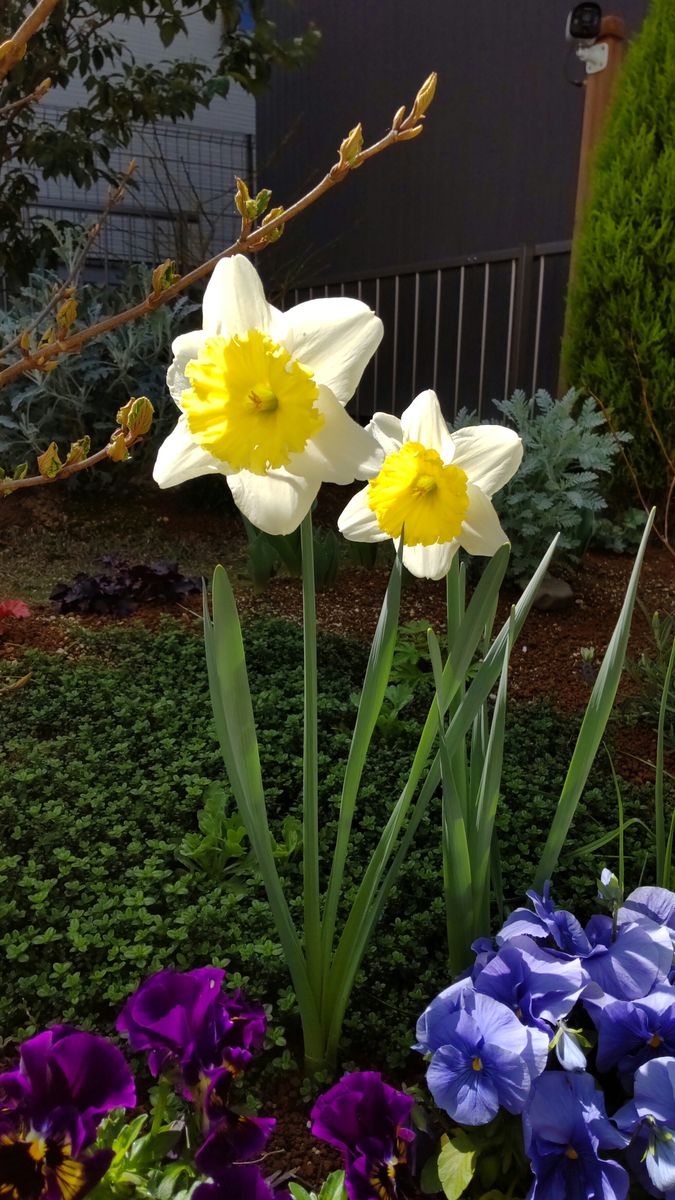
310, 784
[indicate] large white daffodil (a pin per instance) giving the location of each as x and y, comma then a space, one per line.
434, 487
261, 395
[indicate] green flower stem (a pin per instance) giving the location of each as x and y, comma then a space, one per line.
163, 1092
310, 775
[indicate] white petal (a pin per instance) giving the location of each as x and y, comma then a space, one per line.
481, 531
184, 348
234, 300
275, 502
358, 523
490, 455
341, 451
180, 457
334, 338
387, 429
430, 562
424, 422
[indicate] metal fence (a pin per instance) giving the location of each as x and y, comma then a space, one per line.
180, 206
473, 328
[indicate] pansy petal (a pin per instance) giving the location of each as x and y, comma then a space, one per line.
358, 523
430, 562
424, 422
341, 451
185, 347
234, 300
387, 429
481, 532
180, 458
275, 502
489, 454
335, 338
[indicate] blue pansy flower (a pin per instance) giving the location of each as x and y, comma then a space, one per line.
624, 966
632, 1033
565, 1126
650, 1117
539, 988
487, 1060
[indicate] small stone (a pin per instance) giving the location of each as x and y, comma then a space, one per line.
553, 594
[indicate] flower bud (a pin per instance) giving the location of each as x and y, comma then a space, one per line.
352, 146
66, 314
274, 234
117, 448
163, 275
425, 96
78, 451
49, 463
242, 198
136, 416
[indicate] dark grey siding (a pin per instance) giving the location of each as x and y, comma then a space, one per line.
495, 168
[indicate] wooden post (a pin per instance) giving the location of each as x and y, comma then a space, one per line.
599, 93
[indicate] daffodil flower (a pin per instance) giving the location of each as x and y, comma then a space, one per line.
434, 488
262, 397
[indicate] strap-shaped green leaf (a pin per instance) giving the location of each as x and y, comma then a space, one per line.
593, 725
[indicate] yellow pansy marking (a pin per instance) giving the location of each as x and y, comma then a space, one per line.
571, 1153
477, 1064
655, 1041
415, 492
248, 404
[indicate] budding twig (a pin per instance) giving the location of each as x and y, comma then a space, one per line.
13, 50
41, 90
403, 128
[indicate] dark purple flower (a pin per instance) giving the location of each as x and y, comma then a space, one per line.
487, 1060
186, 1021
237, 1183
539, 988
366, 1120
44, 1168
67, 1081
233, 1140
565, 1126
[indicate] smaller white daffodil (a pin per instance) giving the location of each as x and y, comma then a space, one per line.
262, 396
434, 488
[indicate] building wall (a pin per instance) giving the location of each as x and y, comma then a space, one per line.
496, 165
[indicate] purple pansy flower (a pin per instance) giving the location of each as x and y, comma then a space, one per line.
50, 1110
186, 1022
565, 1126
483, 1058
238, 1183
539, 988
650, 1117
366, 1120
234, 1139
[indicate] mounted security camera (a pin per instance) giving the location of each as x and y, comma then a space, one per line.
583, 23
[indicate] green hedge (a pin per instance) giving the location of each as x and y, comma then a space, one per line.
621, 342
104, 759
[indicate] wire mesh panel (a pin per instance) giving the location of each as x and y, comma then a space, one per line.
180, 204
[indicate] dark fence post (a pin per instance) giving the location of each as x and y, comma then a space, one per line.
525, 266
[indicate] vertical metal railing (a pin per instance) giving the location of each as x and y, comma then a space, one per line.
474, 328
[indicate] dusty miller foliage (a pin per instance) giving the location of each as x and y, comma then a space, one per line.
558, 488
84, 391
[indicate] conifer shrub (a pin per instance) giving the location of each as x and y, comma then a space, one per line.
620, 345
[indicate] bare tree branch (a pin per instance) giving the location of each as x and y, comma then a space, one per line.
13, 50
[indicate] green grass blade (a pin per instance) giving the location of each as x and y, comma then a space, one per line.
593, 725
603, 839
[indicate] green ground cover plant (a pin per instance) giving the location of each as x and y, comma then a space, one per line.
104, 764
